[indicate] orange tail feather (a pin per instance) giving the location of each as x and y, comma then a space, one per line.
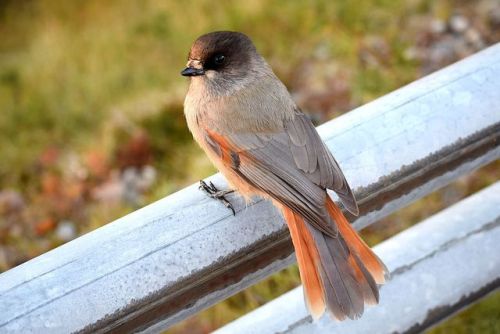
307, 257
371, 261
340, 273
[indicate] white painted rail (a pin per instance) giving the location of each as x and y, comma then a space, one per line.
438, 267
174, 257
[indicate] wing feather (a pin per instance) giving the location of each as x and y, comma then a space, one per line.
293, 166
322, 168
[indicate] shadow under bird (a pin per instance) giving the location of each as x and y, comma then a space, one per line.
244, 119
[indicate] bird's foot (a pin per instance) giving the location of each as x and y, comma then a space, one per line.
217, 194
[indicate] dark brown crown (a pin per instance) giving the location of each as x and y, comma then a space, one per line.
236, 47
220, 42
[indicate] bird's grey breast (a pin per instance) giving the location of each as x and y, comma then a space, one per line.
261, 106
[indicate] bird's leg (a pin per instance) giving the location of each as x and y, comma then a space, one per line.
217, 194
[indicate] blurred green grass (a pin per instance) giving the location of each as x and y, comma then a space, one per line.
83, 78
66, 67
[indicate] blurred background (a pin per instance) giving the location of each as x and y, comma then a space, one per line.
91, 117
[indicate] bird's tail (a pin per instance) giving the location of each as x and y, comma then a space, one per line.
339, 274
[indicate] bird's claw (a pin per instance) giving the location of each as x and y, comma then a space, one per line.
217, 194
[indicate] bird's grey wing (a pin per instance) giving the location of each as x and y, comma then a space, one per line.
293, 166
266, 163
317, 162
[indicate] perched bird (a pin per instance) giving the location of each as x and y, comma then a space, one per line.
243, 117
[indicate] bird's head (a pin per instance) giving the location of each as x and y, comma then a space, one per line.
224, 60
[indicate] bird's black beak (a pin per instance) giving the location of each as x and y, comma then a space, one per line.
192, 72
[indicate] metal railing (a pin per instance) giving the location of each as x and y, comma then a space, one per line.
438, 267
175, 257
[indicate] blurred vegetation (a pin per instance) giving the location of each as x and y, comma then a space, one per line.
92, 126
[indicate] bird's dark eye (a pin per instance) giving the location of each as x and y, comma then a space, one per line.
219, 59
